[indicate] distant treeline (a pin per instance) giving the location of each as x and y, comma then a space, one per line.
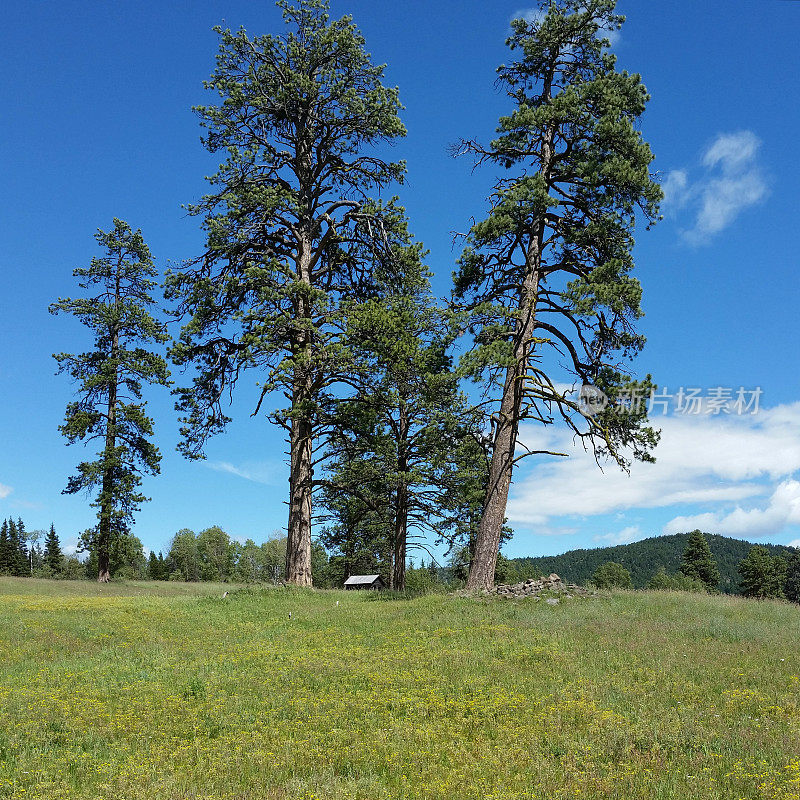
644, 559
210, 555
24, 553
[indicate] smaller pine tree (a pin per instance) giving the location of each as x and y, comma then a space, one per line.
53, 557
22, 565
698, 561
791, 583
12, 557
153, 567
5, 550
762, 574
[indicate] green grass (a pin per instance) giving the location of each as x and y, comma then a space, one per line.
164, 691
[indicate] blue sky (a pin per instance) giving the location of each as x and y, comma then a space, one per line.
97, 123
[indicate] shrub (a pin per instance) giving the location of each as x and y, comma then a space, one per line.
791, 583
663, 581
612, 576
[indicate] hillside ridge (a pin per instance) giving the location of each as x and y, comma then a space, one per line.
643, 558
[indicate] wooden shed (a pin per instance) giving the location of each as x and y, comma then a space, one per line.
364, 582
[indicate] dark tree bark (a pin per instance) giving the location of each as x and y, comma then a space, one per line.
506, 423
106, 516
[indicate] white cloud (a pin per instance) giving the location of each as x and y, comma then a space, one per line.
625, 536
732, 150
782, 509
5, 491
723, 199
676, 189
707, 459
265, 472
795, 543
733, 181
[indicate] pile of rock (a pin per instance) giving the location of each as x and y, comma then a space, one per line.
535, 587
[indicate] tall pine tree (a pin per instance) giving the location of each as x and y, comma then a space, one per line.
292, 229
791, 582
110, 379
546, 277
17, 553
762, 574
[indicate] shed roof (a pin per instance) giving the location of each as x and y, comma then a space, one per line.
359, 580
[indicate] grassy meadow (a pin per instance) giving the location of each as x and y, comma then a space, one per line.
169, 691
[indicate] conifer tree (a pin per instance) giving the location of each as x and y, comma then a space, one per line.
110, 379
23, 564
698, 561
762, 575
17, 557
396, 440
53, 557
153, 570
292, 229
6, 561
545, 278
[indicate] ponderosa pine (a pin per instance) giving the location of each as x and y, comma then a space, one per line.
292, 229
53, 557
546, 277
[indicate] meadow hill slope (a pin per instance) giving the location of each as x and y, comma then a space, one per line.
138, 691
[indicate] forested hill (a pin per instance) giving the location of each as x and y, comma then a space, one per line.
643, 558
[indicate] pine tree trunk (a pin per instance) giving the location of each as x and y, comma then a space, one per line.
487, 545
107, 492
104, 529
400, 537
298, 541
401, 503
